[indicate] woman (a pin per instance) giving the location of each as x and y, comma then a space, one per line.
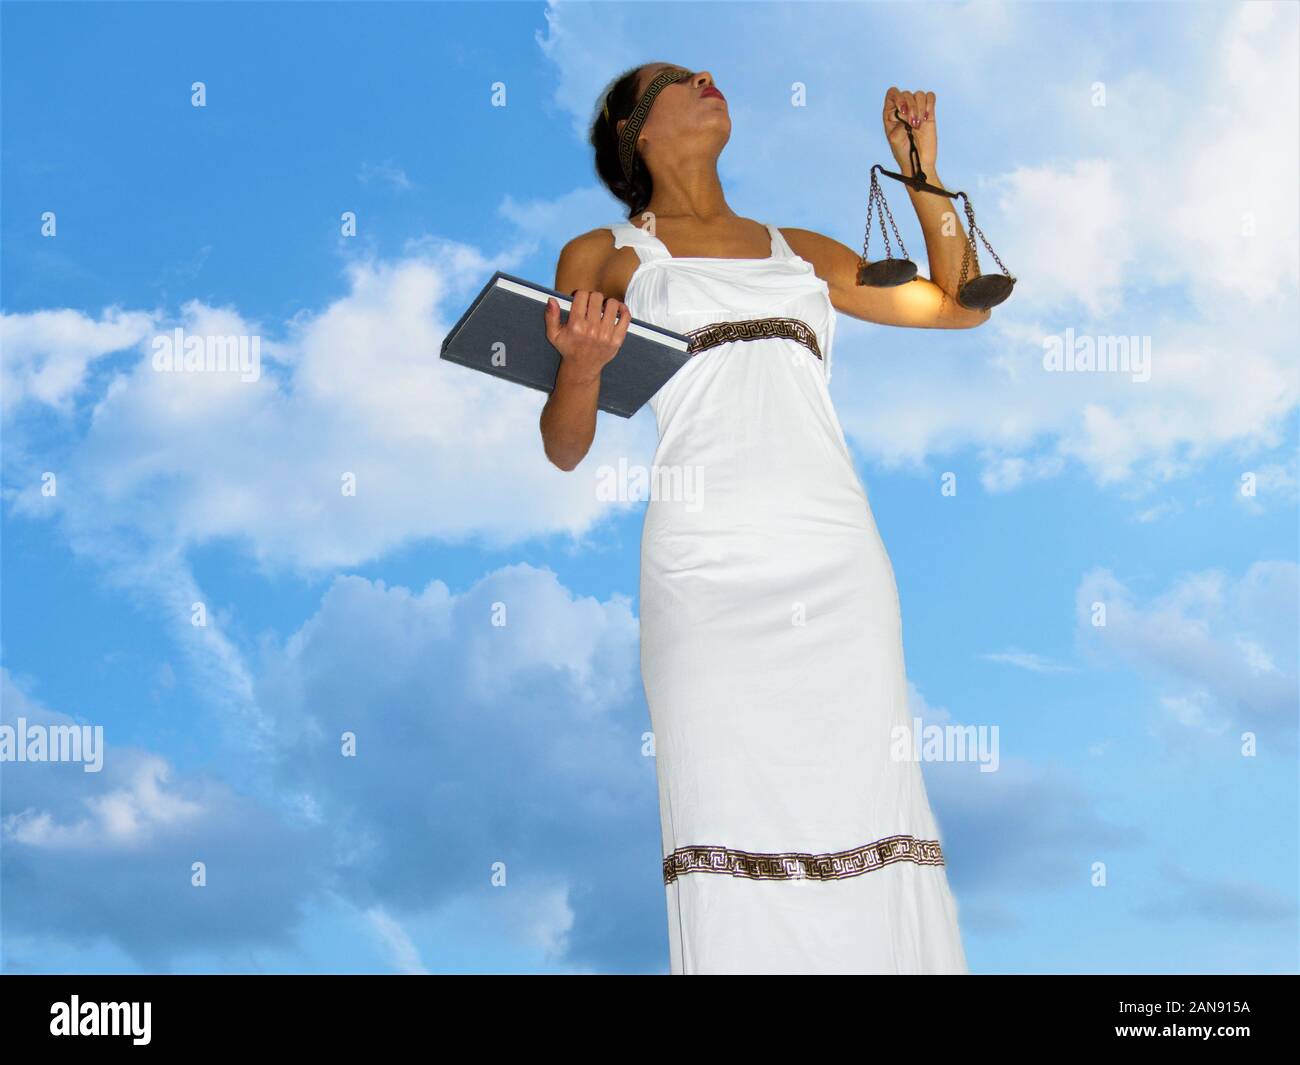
797, 836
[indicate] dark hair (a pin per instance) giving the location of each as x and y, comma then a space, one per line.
621, 97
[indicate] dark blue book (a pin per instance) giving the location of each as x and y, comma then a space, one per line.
503, 333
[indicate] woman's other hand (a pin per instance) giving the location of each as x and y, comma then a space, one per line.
917, 109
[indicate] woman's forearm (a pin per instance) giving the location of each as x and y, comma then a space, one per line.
568, 421
945, 239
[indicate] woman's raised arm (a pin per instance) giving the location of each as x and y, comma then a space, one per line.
921, 303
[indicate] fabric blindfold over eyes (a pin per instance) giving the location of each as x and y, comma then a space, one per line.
627, 140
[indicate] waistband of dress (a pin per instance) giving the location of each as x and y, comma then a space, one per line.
710, 336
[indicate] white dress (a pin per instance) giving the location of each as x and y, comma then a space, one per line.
771, 652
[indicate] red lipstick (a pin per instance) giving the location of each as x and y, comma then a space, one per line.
709, 90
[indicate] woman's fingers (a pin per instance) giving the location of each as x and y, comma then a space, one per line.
615, 318
552, 319
893, 100
591, 312
920, 107
605, 325
914, 107
595, 308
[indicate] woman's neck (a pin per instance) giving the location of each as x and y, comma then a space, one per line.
689, 189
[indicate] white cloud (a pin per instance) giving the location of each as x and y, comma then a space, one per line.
1023, 826
477, 744
45, 355
588, 47
403, 953
918, 706
108, 856
1272, 482
387, 172
460, 726
1157, 511
1005, 472
1195, 712
1026, 660
542, 919
1222, 650
124, 816
1088, 261
173, 460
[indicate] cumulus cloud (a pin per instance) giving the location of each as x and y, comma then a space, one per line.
355, 393
1221, 649
46, 355
1025, 826
499, 734
108, 856
500, 762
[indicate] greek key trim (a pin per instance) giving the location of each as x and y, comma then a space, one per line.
627, 139
793, 865
710, 336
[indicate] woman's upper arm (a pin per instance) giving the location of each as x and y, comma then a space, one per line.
920, 303
584, 263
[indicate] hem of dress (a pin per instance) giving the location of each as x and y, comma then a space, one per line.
798, 865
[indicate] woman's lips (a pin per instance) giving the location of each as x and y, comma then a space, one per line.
711, 91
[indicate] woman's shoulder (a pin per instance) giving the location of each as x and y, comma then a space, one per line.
595, 244
592, 261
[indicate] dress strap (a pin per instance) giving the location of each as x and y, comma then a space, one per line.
648, 248
780, 249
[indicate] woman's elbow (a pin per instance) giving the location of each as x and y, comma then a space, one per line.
561, 458
966, 318
567, 465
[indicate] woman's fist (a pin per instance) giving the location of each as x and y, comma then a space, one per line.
917, 111
592, 335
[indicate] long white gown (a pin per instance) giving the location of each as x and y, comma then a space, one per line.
794, 841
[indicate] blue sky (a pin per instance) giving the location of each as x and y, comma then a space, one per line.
1134, 166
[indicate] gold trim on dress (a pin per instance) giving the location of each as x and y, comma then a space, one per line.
710, 336
793, 865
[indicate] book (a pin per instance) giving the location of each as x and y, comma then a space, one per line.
503, 333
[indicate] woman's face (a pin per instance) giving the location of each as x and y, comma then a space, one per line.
684, 110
